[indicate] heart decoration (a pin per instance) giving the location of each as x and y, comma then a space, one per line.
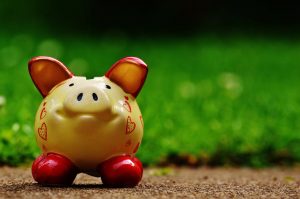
128, 143
43, 113
43, 131
130, 126
142, 121
127, 106
136, 147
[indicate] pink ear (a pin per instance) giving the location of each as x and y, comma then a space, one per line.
129, 73
47, 72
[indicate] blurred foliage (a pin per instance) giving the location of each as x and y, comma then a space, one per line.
208, 100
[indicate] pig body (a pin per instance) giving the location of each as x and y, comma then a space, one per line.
88, 131
92, 125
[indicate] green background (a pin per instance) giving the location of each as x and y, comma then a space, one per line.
220, 91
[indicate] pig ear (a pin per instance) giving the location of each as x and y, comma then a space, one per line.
47, 72
129, 73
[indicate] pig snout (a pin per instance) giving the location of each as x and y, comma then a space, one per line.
89, 99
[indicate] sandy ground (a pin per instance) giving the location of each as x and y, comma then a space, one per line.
164, 183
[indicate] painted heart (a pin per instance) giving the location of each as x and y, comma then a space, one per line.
128, 143
43, 131
43, 113
136, 147
130, 125
127, 106
142, 121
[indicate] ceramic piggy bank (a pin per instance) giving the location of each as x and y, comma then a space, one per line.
88, 125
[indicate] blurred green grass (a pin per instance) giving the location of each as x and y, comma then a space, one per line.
231, 100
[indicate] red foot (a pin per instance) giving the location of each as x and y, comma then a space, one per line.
121, 171
53, 169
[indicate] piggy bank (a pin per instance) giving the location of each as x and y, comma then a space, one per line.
85, 125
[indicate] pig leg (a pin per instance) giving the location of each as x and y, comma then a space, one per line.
121, 171
53, 169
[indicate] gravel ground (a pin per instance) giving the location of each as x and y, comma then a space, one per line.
164, 183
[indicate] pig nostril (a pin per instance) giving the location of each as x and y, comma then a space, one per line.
95, 97
79, 97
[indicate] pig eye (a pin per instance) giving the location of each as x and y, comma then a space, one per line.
71, 84
108, 86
